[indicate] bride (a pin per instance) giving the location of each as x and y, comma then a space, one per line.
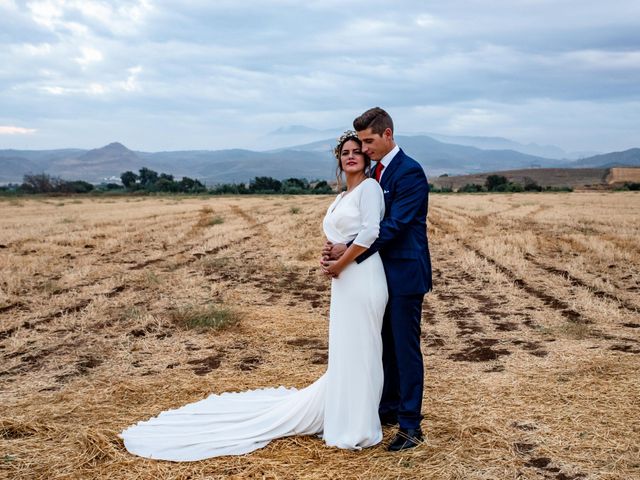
342, 405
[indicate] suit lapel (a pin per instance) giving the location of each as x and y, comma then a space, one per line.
388, 172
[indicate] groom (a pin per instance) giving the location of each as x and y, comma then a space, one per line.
404, 251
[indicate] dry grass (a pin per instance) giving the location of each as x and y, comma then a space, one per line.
109, 308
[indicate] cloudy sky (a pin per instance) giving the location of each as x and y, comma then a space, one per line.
195, 74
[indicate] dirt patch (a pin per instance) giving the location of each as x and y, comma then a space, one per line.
320, 358
624, 348
549, 300
250, 362
468, 328
480, 351
506, 326
207, 364
523, 448
307, 342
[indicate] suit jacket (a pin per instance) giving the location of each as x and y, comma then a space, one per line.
402, 241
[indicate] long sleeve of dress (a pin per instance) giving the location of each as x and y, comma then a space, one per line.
371, 207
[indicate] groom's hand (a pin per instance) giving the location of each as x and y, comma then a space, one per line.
326, 250
333, 251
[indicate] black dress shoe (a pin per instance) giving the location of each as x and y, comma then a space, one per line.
406, 438
388, 421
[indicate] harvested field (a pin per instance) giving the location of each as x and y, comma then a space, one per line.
531, 337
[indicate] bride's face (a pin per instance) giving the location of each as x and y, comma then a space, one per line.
352, 158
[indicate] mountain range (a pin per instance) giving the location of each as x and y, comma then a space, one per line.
313, 160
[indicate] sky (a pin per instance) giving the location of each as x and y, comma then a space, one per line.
198, 74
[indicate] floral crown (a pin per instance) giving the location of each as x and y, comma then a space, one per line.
348, 135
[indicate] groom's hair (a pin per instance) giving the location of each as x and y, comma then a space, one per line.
376, 119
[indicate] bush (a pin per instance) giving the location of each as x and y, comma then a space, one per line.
76, 186
437, 189
322, 187
531, 186
510, 187
471, 188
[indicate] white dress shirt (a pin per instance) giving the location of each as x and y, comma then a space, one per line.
386, 160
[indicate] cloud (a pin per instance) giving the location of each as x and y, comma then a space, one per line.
541, 71
12, 130
89, 55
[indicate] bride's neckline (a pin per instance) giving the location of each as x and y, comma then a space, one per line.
347, 192
344, 194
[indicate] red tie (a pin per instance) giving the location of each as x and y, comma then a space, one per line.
378, 171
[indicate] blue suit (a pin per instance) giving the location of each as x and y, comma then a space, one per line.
404, 250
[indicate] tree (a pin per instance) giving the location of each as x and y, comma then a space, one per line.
75, 186
129, 179
471, 188
265, 184
531, 185
189, 185
493, 182
148, 177
37, 183
164, 184
322, 187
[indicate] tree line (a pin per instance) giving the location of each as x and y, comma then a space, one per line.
150, 181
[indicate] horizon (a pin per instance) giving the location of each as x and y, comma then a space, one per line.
433, 136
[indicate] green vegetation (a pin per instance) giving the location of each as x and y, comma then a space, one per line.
633, 186
205, 317
148, 181
43, 183
270, 186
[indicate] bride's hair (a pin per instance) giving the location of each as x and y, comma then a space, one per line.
344, 138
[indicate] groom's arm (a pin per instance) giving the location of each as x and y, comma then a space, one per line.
412, 192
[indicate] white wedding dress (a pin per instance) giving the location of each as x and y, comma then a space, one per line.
342, 405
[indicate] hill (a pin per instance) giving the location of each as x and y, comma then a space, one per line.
546, 177
311, 160
629, 157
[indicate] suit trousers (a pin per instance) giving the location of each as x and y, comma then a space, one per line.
402, 361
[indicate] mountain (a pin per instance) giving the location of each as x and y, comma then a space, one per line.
439, 157
14, 164
629, 157
283, 137
312, 160
499, 143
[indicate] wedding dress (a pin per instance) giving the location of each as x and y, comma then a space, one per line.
342, 405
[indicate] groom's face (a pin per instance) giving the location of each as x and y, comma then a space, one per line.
376, 146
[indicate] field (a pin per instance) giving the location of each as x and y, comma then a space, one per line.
531, 337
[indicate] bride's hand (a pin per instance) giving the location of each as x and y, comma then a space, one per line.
331, 268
